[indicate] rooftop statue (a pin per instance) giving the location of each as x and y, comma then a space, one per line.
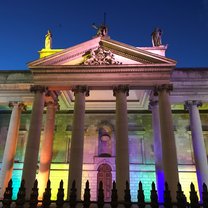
156, 37
48, 40
102, 30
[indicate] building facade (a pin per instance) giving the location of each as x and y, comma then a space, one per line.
102, 111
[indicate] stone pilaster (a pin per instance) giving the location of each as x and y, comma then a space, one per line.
168, 139
200, 155
47, 146
159, 171
33, 141
122, 146
11, 144
77, 140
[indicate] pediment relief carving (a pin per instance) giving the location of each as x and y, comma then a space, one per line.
100, 56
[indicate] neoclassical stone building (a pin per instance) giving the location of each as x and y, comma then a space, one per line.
104, 110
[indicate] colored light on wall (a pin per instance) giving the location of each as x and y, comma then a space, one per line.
60, 172
160, 179
146, 178
16, 181
185, 179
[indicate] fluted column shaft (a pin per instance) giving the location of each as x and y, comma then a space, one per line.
10, 147
159, 171
122, 146
77, 139
168, 139
47, 147
33, 141
200, 155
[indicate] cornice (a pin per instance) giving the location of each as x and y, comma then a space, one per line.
102, 68
152, 57
116, 47
127, 55
65, 53
69, 57
15, 86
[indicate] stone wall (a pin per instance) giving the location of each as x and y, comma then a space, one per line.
141, 150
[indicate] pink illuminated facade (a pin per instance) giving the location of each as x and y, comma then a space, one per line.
102, 111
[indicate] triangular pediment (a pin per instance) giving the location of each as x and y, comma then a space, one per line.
102, 51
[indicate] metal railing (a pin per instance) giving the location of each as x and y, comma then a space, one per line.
72, 202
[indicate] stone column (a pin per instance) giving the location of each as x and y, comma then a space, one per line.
47, 146
168, 140
122, 146
33, 141
159, 171
77, 140
11, 144
200, 155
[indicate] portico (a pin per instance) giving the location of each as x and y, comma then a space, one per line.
132, 75
100, 77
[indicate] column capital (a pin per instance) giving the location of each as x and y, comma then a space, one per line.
51, 98
20, 105
54, 104
81, 88
121, 88
152, 103
190, 103
160, 88
52, 95
38, 88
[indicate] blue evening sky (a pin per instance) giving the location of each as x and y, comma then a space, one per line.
24, 23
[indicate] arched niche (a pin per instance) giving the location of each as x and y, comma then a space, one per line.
105, 140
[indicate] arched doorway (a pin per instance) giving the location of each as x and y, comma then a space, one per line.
105, 175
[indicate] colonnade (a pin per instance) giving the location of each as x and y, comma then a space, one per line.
164, 141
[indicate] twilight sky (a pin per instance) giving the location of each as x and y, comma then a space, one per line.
24, 23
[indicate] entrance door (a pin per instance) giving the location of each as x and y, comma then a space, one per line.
105, 175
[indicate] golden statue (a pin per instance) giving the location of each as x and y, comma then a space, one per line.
48, 40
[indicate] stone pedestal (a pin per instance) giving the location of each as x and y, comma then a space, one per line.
10, 147
77, 140
47, 147
200, 155
122, 146
159, 172
33, 142
168, 140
